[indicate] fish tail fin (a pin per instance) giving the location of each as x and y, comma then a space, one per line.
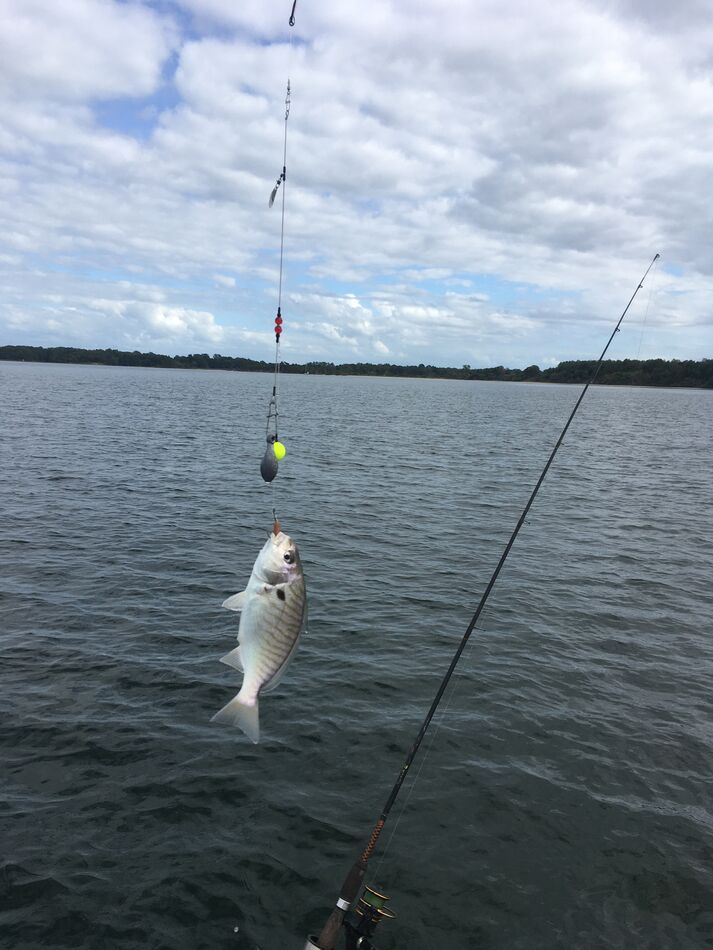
240, 713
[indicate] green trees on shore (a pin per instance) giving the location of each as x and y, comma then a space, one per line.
697, 373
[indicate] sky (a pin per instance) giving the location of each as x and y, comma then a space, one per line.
469, 181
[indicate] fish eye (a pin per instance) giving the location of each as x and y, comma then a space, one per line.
289, 557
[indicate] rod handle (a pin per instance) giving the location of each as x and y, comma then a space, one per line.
348, 894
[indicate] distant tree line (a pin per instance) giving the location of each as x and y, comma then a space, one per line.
698, 373
72, 354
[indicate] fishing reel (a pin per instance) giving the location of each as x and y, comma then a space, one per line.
361, 922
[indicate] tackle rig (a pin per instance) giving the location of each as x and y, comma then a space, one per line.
275, 450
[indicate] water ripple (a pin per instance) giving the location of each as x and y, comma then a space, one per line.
563, 798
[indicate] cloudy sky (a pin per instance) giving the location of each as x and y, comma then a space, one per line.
470, 181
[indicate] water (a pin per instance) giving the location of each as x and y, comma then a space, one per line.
564, 801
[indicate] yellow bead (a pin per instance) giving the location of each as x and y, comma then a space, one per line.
280, 451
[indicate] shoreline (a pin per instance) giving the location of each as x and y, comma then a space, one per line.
348, 375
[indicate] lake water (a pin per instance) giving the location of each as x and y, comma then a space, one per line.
564, 800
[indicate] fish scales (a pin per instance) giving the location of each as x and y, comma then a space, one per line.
273, 613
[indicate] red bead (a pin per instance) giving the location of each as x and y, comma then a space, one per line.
278, 319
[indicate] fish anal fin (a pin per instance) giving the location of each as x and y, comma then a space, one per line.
233, 659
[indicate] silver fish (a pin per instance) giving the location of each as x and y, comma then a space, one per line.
273, 610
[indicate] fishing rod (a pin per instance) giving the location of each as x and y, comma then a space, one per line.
361, 922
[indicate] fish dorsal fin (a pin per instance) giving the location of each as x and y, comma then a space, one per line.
236, 602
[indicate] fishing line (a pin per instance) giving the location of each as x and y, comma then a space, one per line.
425, 754
424, 757
415, 780
405, 805
275, 450
646, 312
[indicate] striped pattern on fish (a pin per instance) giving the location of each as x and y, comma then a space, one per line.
273, 611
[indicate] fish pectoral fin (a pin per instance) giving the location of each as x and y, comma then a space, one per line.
236, 602
233, 659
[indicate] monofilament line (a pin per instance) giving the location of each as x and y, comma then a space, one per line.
646, 312
269, 464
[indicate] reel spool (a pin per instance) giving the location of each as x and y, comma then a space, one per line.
361, 922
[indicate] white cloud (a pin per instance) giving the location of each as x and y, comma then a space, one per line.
177, 322
479, 177
79, 50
